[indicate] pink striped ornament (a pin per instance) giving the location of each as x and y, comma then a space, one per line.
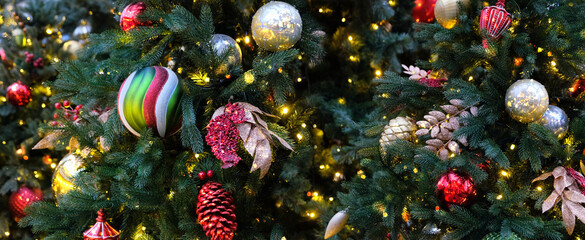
494, 20
101, 230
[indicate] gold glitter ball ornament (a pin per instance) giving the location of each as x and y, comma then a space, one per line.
555, 120
446, 12
276, 26
526, 100
398, 128
64, 175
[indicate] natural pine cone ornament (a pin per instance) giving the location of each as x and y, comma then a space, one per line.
442, 124
216, 211
398, 128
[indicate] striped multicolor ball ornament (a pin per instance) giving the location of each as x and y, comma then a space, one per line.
151, 97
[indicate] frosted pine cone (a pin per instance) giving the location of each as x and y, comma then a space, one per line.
398, 128
216, 211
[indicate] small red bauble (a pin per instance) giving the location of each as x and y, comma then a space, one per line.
101, 230
494, 20
578, 87
209, 173
129, 17
21, 199
18, 94
455, 187
424, 11
202, 176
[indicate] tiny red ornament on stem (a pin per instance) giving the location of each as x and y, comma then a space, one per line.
455, 187
101, 230
494, 20
424, 11
129, 17
21, 199
18, 94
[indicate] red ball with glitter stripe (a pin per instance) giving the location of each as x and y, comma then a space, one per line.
21, 199
151, 98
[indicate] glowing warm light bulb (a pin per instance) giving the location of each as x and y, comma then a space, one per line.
303, 125
504, 173
378, 73
299, 136
247, 39
342, 19
350, 38
284, 110
499, 197
553, 63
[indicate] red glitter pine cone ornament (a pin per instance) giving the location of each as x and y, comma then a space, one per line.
101, 230
18, 94
216, 211
455, 187
494, 20
21, 199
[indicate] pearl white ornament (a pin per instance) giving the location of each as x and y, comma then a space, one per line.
336, 223
277, 26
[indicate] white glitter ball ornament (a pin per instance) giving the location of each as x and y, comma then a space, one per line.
277, 26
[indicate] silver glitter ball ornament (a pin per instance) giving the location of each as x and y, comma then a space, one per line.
277, 26
224, 44
526, 100
555, 120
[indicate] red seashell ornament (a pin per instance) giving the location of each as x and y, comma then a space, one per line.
494, 20
21, 199
129, 17
424, 11
101, 230
18, 94
455, 187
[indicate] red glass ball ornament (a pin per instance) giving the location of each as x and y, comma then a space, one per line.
129, 17
202, 176
424, 11
18, 94
578, 87
209, 173
21, 199
455, 187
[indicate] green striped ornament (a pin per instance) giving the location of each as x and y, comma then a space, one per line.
151, 97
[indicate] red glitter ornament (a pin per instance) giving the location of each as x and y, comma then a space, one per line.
578, 178
494, 20
455, 187
18, 94
578, 87
21, 199
424, 11
129, 17
222, 134
101, 230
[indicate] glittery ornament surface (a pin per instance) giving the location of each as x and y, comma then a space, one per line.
18, 94
224, 44
222, 134
555, 120
276, 26
101, 230
526, 100
455, 187
424, 11
446, 12
21, 199
578, 178
65, 174
129, 17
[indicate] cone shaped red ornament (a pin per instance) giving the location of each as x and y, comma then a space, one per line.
216, 211
494, 20
21, 199
101, 230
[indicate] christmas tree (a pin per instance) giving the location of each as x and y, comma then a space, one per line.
36, 35
187, 125
462, 144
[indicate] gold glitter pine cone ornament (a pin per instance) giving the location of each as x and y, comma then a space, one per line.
398, 128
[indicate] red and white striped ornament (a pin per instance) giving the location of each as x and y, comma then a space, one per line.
101, 230
494, 21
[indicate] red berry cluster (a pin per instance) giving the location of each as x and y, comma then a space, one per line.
70, 113
205, 175
30, 59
